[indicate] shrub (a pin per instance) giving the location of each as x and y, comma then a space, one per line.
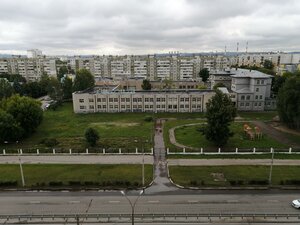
74, 183
55, 183
194, 183
148, 118
9, 183
258, 182
49, 142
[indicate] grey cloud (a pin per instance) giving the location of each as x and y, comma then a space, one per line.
148, 26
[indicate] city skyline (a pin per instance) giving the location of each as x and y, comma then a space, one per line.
147, 27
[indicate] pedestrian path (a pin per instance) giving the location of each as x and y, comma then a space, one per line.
161, 182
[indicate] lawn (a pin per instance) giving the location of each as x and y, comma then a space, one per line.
102, 176
223, 176
186, 135
263, 116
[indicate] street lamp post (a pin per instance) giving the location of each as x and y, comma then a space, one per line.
132, 204
271, 167
143, 160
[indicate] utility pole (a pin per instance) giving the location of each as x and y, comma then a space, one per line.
132, 204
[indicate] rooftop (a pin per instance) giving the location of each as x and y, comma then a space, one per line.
244, 73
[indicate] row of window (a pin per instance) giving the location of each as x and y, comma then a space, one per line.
247, 97
140, 99
248, 104
140, 106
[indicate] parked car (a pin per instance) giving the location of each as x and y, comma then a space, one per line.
296, 203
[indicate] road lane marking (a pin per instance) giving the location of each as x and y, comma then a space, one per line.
192, 201
74, 202
232, 201
34, 202
153, 201
113, 201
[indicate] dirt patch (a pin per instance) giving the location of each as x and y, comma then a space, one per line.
283, 128
115, 124
218, 177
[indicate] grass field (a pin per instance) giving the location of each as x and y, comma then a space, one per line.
263, 116
222, 176
114, 176
186, 136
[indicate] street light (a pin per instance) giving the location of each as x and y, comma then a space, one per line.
132, 204
143, 161
271, 167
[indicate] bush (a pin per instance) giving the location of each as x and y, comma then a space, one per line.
148, 118
55, 183
91, 183
258, 182
91, 136
291, 182
194, 183
74, 183
49, 142
9, 183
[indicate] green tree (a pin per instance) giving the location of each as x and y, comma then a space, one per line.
61, 72
220, 112
91, 136
204, 74
10, 130
67, 86
26, 111
6, 90
146, 85
215, 87
268, 64
83, 80
288, 102
54, 89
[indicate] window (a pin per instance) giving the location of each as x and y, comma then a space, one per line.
91, 107
82, 107
243, 97
139, 99
91, 100
158, 99
181, 106
255, 104
260, 97
146, 106
199, 99
242, 104
110, 99
116, 106
193, 106
127, 99
103, 99
170, 106
182, 99
123, 106
134, 99
151, 106
104, 106
257, 81
259, 104
186, 99
262, 82
111, 106
98, 99
174, 106
163, 99
247, 104
257, 90
256, 97
193, 99
248, 97
81, 100
186, 106
158, 106
115, 99
151, 99
198, 106
163, 106
122, 99
146, 99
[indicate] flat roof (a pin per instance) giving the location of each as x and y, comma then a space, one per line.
244, 73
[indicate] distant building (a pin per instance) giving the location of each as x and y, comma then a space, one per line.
34, 53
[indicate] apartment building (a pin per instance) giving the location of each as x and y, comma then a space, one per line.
220, 76
95, 100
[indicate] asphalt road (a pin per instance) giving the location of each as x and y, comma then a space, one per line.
174, 202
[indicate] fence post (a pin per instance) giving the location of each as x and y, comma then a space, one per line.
4, 152
120, 151
254, 150
54, 151
168, 151
290, 150
219, 150
136, 151
70, 151
183, 150
151, 151
236, 150
37, 151
201, 150
103, 151
21, 151
87, 151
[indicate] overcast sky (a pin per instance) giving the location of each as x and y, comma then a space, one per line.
148, 26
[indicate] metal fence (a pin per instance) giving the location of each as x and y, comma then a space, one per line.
87, 151
146, 218
233, 151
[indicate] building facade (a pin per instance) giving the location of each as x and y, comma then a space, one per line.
92, 101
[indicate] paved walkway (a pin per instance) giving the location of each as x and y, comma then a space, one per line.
227, 162
78, 159
161, 182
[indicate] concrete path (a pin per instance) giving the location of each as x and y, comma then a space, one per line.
161, 182
78, 159
227, 162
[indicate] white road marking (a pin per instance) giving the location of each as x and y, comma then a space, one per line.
74, 202
192, 201
113, 201
232, 201
34, 202
153, 201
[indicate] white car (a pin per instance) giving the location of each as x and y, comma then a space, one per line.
296, 203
